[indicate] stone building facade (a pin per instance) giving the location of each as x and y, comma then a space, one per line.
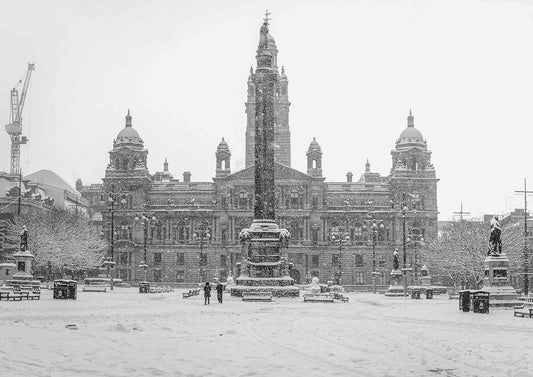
192, 231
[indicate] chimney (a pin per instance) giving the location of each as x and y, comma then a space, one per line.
186, 176
349, 176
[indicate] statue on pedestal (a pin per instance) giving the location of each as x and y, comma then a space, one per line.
495, 242
24, 239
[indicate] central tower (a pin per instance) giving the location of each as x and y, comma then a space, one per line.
282, 134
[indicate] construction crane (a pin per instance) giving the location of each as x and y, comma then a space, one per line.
14, 128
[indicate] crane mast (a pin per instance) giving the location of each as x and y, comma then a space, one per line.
14, 128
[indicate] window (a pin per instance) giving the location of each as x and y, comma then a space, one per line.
314, 273
295, 199
223, 275
243, 200
157, 275
7, 271
359, 262
299, 258
124, 258
157, 258
180, 259
357, 233
359, 277
335, 260
314, 260
203, 259
382, 261
314, 237
180, 276
223, 260
314, 202
292, 257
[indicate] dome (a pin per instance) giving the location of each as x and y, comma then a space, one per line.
314, 146
223, 146
128, 135
410, 135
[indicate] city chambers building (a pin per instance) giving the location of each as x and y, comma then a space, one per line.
188, 231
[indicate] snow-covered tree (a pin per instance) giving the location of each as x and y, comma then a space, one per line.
461, 250
60, 241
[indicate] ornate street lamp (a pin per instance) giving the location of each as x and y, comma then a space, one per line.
201, 235
405, 208
147, 221
341, 237
109, 262
375, 226
416, 239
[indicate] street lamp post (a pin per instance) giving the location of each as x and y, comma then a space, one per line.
404, 210
146, 222
375, 226
201, 235
342, 238
416, 239
109, 262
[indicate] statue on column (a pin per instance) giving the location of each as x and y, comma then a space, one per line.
495, 242
24, 239
396, 261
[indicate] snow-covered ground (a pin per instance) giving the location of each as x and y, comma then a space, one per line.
124, 333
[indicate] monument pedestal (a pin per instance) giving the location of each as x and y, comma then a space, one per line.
23, 276
396, 287
501, 293
264, 269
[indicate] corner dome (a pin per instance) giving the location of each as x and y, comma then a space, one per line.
223, 146
314, 147
410, 135
128, 135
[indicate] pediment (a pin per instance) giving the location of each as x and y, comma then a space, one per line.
281, 172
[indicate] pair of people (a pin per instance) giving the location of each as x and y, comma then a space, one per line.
207, 292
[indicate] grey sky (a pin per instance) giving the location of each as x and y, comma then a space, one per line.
355, 69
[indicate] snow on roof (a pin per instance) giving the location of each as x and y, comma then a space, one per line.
48, 177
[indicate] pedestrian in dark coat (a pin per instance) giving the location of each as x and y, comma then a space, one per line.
220, 288
207, 293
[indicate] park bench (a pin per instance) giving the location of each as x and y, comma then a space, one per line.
257, 296
188, 294
15, 297
4, 295
340, 297
525, 309
318, 297
95, 288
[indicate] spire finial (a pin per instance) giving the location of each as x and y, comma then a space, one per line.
165, 165
128, 119
282, 69
410, 119
367, 167
266, 19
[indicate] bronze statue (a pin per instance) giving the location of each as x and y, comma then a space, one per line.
396, 262
495, 242
24, 239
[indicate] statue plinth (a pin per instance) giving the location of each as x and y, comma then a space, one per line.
23, 276
396, 287
501, 293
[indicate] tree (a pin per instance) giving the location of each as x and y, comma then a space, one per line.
60, 241
461, 250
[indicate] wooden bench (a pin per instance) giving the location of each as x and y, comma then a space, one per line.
257, 296
318, 297
4, 295
526, 309
340, 297
95, 288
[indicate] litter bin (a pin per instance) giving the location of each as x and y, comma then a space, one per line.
415, 293
480, 302
464, 301
65, 289
144, 287
429, 293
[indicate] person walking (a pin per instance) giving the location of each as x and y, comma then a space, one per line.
220, 288
207, 293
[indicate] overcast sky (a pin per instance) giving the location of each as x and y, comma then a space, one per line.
355, 68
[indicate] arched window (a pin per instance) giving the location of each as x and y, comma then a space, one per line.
313, 164
223, 165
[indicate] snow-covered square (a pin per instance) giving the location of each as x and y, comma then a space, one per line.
124, 333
